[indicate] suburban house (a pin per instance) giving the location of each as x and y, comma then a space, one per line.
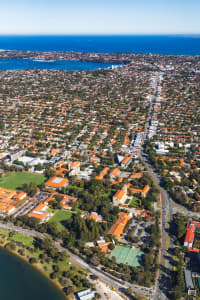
74, 168
94, 216
103, 246
67, 201
126, 161
136, 176
114, 173
102, 174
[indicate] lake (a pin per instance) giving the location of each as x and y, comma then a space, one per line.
20, 281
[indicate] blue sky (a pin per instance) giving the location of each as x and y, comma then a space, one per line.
99, 16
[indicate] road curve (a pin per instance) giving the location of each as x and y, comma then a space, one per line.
103, 276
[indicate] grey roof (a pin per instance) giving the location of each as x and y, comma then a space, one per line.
188, 279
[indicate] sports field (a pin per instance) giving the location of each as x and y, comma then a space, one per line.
15, 180
129, 256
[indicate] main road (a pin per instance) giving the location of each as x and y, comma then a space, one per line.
166, 205
103, 276
166, 217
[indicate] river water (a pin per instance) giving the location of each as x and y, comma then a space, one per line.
66, 65
20, 281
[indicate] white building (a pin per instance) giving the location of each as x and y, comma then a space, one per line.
86, 294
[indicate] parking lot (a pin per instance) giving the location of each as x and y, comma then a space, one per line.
137, 232
30, 204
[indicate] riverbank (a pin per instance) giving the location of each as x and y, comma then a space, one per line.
58, 270
20, 280
39, 268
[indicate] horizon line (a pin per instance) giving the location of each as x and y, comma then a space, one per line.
100, 34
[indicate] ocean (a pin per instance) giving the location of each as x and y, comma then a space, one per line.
155, 44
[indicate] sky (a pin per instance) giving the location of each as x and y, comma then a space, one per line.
99, 17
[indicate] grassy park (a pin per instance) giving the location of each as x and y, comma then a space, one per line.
134, 202
129, 256
15, 180
59, 216
7, 236
24, 246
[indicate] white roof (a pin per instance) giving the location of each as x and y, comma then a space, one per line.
57, 180
86, 294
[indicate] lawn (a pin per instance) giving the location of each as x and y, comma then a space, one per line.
15, 180
129, 256
25, 240
134, 202
168, 241
59, 216
17, 237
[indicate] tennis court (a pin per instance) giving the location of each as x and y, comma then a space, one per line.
129, 256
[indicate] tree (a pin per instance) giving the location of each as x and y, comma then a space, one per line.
93, 277
11, 234
32, 260
149, 259
30, 188
48, 173
2, 125
95, 260
68, 290
10, 246
97, 296
53, 275
52, 229
180, 225
113, 259
111, 246
38, 167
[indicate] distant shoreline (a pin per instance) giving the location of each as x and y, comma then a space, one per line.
77, 56
74, 56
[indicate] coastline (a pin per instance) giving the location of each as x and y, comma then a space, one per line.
38, 268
